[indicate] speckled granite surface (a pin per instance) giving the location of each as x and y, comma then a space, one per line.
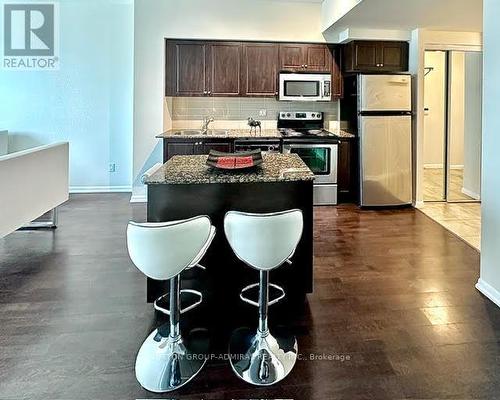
237, 134
193, 170
344, 134
219, 133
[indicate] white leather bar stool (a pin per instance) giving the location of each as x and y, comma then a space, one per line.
264, 242
162, 251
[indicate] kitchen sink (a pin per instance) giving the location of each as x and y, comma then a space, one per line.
188, 132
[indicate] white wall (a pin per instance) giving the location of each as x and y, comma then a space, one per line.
472, 122
88, 102
333, 10
156, 20
489, 282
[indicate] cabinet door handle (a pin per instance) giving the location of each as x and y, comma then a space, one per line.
305, 65
204, 92
209, 92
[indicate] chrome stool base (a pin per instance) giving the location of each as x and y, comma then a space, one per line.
262, 360
164, 364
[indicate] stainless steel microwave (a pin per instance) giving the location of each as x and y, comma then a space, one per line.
305, 87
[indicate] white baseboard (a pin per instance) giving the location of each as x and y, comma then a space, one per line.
139, 198
419, 204
100, 189
433, 166
472, 194
139, 194
441, 166
489, 291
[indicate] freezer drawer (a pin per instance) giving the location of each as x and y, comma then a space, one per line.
384, 93
386, 160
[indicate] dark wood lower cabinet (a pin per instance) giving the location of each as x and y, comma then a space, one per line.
171, 149
347, 175
217, 146
189, 147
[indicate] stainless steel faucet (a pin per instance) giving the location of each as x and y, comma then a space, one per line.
206, 122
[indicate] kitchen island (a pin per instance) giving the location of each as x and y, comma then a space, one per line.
185, 187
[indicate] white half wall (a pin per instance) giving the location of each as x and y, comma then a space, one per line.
156, 20
489, 282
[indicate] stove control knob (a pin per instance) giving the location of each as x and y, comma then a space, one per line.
288, 115
313, 115
282, 115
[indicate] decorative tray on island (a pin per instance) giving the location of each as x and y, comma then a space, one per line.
234, 161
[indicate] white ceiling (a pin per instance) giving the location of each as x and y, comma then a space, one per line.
454, 15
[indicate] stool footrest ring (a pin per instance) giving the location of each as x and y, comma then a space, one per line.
255, 303
182, 310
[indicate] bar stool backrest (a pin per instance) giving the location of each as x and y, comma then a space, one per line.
163, 250
264, 241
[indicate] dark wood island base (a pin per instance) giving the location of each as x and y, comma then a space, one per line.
173, 202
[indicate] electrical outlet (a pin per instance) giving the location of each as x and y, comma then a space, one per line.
112, 167
262, 113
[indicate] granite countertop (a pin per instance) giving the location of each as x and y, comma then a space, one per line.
344, 134
237, 134
221, 133
193, 170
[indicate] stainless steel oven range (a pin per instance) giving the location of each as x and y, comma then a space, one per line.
303, 134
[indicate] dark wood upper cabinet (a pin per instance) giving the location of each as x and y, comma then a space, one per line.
383, 56
337, 76
394, 56
318, 58
223, 66
186, 68
305, 57
292, 56
259, 69
365, 56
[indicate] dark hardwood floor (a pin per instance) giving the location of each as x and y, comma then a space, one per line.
394, 304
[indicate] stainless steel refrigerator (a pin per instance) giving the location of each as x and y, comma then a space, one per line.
385, 139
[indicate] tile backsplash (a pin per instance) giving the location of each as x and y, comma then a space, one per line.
235, 110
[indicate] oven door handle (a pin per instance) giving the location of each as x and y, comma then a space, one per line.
310, 146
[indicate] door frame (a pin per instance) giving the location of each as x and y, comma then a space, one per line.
422, 40
447, 126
